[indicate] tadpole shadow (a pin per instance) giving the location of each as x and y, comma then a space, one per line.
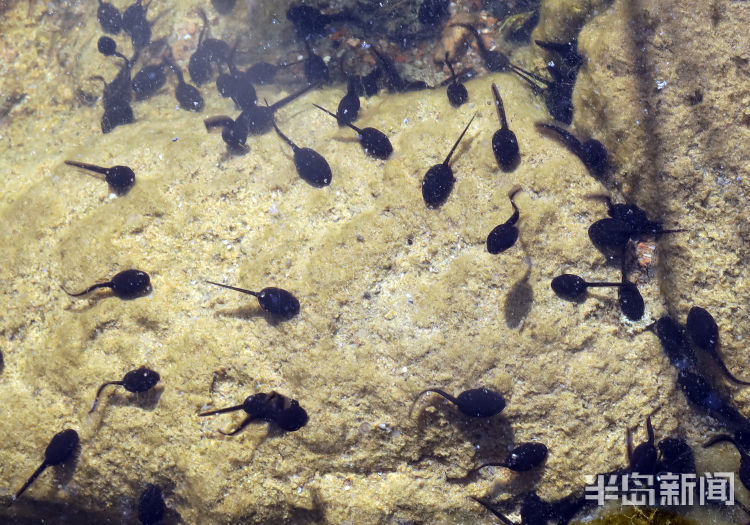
247, 313
491, 436
144, 400
520, 297
63, 474
80, 304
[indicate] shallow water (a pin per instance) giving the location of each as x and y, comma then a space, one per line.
395, 297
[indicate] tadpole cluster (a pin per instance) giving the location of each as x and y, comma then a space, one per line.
692, 349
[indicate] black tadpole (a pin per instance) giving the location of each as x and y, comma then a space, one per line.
631, 301
275, 301
119, 178
273, 407
558, 93
643, 458
592, 153
233, 135
109, 18
257, 120
457, 93
136, 25
151, 505
610, 235
672, 338
60, 449
504, 142
139, 380
477, 402
676, 456
148, 81
107, 46
348, 109
493, 60
316, 70
522, 458
188, 96
311, 166
572, 287
704, 332
505, 235
128, 284
373, 141
438, 181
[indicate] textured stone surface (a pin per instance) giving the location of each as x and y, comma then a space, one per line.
395, 297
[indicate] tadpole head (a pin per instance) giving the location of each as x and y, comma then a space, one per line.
278, 302
610, 235
437, 185
501, 238
457, 94
505, 148
61, 447
569, 286
526, 456
631, 301
120, 179
189, 97
131, 284
312, 167
140, 380
702, 328
480, 402
375, 143
106, 46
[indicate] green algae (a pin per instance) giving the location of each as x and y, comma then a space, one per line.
642, 516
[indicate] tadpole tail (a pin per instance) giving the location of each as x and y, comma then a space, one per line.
286, 100
720, 439
35, 475
494, 511
567, 138
284, 137
88, 290
249, 292
88, 167
719, 361
245, 422
98, 393
527, 75
355, 128
450, 154
516, 213
500, 107
600, 285
480, 43
450, 67
493, 464
438, 391
221, 411
662, 232
218, 121
100, 78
